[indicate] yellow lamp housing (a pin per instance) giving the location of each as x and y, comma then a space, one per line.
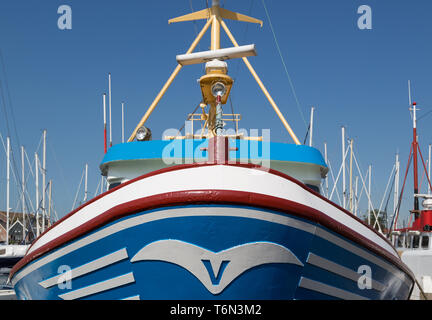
207, 81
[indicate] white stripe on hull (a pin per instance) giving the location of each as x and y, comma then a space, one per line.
240, 179
201, 211
88, 267
161, 215
340, 270
99, 287
329, 290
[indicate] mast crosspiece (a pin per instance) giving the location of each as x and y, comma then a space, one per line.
215, 16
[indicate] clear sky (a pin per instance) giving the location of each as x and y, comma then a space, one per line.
355, 78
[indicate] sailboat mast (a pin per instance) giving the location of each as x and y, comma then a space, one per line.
109, 107
37, 194
44, 179
429, 167
23, 191
311, 126
415, 168
7, 188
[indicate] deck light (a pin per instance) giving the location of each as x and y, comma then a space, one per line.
143, 134
218, 89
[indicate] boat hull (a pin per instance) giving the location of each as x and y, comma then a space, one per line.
211, 232
211, 252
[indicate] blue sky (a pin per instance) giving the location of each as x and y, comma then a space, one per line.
355, 78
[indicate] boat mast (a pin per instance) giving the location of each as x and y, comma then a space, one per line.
23, 191
326, 161
343, 168
122, 122
351, 178
214, 17
85, 183
415, 147
7, 188
109, 106
43, 179
37, 194
369, 192
311, 126
105, 122
429, 168
396, 184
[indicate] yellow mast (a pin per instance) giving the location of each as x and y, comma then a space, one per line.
215, 16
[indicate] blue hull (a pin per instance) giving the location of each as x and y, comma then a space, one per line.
140, 258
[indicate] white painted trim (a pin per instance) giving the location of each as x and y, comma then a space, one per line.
161, 215
99, 287
88, 267
329, 290
240, 179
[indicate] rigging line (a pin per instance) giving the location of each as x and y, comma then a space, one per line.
338, 175
244, 38
59, 168
361, 191
368, 195
388, 198
418, 119
188, 118
232, 111
334, 181
9, 96
79, 188
195, 24
11, 111
284, 65
385, 192
307, 133
396, 212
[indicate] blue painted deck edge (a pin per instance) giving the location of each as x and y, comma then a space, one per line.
191, 149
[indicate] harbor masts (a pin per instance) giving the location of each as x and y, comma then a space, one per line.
429, 168
122, 122
413, 108
415, 147
105, 122
326, 161
37, 194
311, 126
396, 184
109, 106
23, 191
343, 169
351, 178
49, 202
43, 179
369, 191
7, 188
85, 183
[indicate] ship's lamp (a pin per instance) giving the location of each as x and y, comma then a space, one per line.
143, 134
218, 89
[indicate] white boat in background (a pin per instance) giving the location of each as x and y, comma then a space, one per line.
414, 243
9, 256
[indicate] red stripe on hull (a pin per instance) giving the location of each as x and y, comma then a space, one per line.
211, 197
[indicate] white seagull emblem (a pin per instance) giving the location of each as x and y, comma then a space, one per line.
225, 265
